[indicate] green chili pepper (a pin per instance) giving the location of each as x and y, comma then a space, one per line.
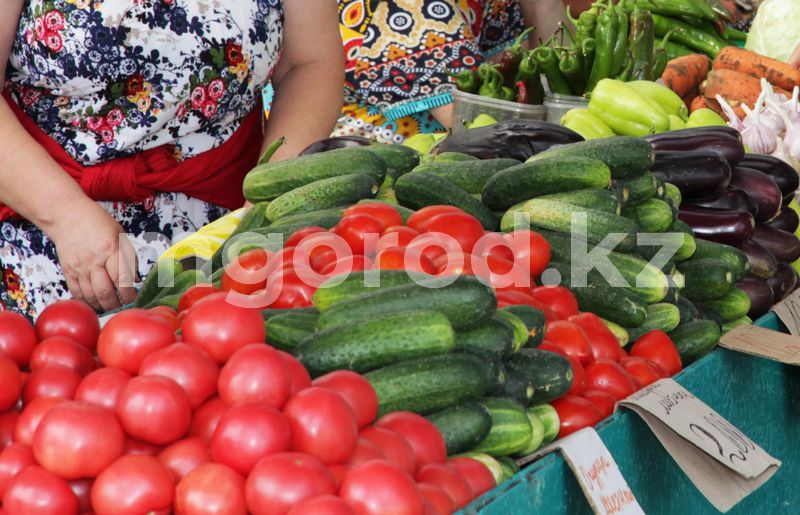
660, 56
547, 60
511, 57
570, 65
621, 43
673, 49
625, 110
587, 52
641, 44
679, 8
466, 81
731, 34
585, 24
625, 74
507, 93
692, 37
605, 36
528, 72
492, 86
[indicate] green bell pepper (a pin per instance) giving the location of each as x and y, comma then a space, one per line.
586, 124
626, 111
662, 96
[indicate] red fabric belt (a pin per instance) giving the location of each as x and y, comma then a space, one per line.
214, 176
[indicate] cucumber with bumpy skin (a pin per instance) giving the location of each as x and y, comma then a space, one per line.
599, 199
652, 215
549, 417
163, 271
695, 339
323, 194
625, 156
346, 286
706, 279
511, 429
286, 331
732, 306
462, 426
399, 159
470, 176
661, 316
537, 434
533, 319
745, 320
493, 338
735, 258
517, 326
534, 376
640, 188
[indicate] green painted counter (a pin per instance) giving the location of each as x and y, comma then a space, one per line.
759, 396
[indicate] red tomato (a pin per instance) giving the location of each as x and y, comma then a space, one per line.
501, 273
365, 451
530, 250
361, 232
130, 336
211, 489
603, 401
346, 265
255, 373
246, 433
400, 258
356, 391
425, 439
290, 289
14, 458
184, 456
154, 409
435, 246
557, 298
82, 489
516, 298
323, 425
206, 417
578, 376
426, 213
220, 328
102, 387
657, 346
17, 337
609, 376
454, 263
31, 416
478, 476
451, 481
51, 381
378, 487
399, 236
78, 439
326, 259
71, 318
571, 338
10, 383
133, 485
299, 379
395, 447
464, 228
338, 472
189, 366
133, 446
643, 370
436, 496
247, 273
35, 491
281, 480
169, 315
8, 423
575, 413
384, 213
299, 235
195, 293
494, 244
322, 505
61, 350
602, 341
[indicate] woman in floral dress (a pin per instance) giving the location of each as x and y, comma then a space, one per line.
142, 117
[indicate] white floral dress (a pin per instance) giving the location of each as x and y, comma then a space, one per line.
111, 78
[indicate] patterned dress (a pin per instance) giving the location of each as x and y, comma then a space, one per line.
110, 78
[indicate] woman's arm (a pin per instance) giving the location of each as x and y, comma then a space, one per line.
32, 184
309, 80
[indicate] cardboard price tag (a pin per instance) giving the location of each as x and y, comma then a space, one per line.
596, 471
788, 310
721, 461
765, 343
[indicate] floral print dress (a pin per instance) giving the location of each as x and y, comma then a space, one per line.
111, 78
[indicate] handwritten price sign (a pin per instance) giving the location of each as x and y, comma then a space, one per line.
762, 342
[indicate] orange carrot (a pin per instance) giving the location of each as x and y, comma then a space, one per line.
779, 74
683, 74
736, 88
698, 102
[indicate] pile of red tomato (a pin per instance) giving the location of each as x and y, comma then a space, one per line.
135, 419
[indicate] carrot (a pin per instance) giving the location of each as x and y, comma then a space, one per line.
736, 88
779, 74
683, 74
698, 102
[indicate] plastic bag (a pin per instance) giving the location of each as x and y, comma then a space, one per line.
776, 29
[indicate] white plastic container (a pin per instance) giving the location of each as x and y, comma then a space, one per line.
557, 105
468, 106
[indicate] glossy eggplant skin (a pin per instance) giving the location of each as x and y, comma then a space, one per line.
515, 139
333, 143
759, 293
724, 141
783, 282
731, 199
762, 188
699, 174
781, 172
787, 220
728, 227
783, 245
762, 263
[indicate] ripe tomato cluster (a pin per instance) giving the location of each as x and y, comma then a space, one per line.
134, 418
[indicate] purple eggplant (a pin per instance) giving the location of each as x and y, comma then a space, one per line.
781, 172
700, 175
762, 188
759, 293
762, 263
731, 199
728, 227
725, 141
324, 145
783, 245
787, 220
783, 282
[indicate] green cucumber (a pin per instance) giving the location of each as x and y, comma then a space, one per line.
652, 215
399, 159
619, 332
689, 246
182, 282
286, 331
493, 337
511, 429
735, 258
466, 303
427, 385
542, 177
470, 176
510, 467
661, 316
377, 342
462, 426
268, 313
625, 156
453, 157
516, 324
602, 200
673, 193
496, 374
419, 189
164, 271
706, 313
537, 435
695, 339
346, 286
532, 318
706, 279
745, 320
688, 311
557, 216
271, 180
732, 306
534, 376
325, 218
550, 420
639, 188
171, 301
323, 194
490, 462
